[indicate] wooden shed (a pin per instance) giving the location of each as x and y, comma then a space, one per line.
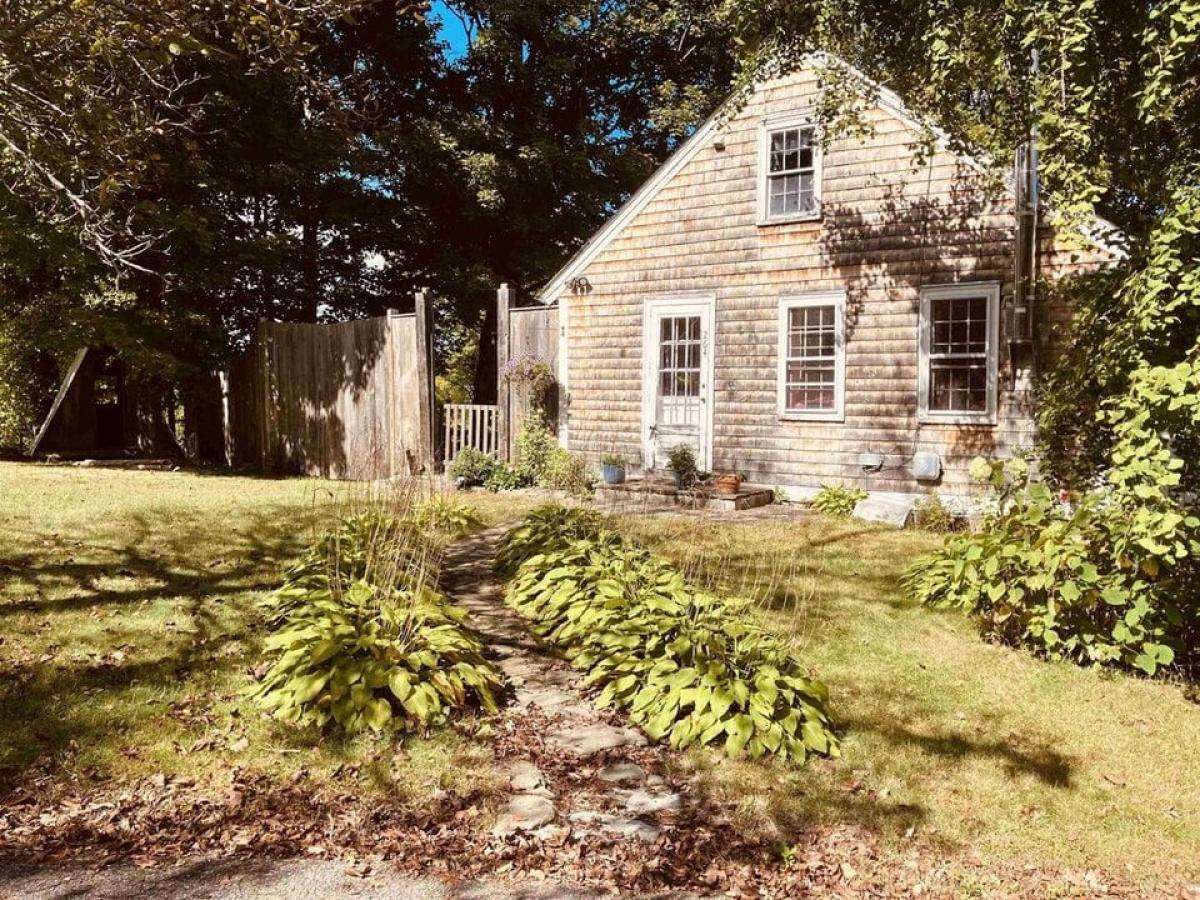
105, 410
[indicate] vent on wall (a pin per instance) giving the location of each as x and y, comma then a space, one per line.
926, 466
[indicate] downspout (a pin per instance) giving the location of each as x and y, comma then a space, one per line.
1023, 323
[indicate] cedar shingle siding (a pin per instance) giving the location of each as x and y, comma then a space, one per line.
891, 223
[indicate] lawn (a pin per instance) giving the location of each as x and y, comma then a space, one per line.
129, 610
972, 748
129, 605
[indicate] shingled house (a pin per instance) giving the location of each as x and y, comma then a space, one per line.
804, 310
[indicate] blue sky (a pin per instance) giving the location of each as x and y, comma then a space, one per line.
449, 28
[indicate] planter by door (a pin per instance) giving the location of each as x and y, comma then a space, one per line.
613, 474
677, 376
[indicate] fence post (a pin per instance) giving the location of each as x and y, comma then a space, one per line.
425, 378
504, 298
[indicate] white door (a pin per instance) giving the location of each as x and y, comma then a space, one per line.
677, 382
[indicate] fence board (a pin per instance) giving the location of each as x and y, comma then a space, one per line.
336, 401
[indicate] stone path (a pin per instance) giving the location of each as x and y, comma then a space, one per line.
596, 785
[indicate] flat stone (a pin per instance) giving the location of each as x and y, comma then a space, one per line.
888, 510
526, 777
622, 771
546, 698
622, 826
589, 739
525, 812
645, 802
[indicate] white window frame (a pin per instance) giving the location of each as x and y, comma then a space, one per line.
768, 127
990, 290
836, 299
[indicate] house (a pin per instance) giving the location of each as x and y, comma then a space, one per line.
802, 313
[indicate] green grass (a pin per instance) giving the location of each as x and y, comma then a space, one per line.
966, 746
129, 625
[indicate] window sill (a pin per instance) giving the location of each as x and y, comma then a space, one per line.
831, 418
984, 421
809, 218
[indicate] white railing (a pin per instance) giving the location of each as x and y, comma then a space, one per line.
473, 425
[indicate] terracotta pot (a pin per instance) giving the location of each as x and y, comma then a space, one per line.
728, 484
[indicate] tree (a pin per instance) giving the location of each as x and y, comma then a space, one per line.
89, 89
555, 125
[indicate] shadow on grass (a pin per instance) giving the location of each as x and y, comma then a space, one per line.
1042, 762
107, 635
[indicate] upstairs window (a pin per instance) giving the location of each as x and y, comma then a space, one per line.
790, 186
812, 356
959, 338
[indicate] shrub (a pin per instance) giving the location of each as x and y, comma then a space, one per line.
361, 639
1086, 581
545, 529
507, 478
688, 667
931, 514
681, 460
535, 443
448, 515
472, 466
566, 471
838, 500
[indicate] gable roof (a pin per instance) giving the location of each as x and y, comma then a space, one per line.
1103, 233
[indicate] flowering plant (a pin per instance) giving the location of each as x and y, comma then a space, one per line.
530, 375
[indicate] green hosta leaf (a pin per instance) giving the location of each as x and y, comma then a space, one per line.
378, 713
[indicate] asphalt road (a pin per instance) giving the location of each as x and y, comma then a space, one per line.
296, 879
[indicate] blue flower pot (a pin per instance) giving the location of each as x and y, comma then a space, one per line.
613, 474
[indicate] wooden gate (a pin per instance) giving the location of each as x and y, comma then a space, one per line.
522, 331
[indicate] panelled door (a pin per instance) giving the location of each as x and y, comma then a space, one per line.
677, 381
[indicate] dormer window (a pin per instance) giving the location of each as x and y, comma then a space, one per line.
790, 167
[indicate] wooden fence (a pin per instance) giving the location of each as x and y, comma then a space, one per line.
349, 400
528, 330
470, 425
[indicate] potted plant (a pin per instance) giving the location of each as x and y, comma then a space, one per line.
613, 467
681, 460
729, 483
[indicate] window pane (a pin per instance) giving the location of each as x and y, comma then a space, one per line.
958, 325
958, 386
810, 371
665, 330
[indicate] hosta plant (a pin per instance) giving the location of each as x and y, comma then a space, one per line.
544, 530
687, 666
837, 500
360, 638
373, 657
448, 515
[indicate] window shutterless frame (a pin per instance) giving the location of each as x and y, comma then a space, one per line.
780, 125
836, 300
989, 291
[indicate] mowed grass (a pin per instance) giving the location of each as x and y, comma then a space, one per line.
968, 747
130, 624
